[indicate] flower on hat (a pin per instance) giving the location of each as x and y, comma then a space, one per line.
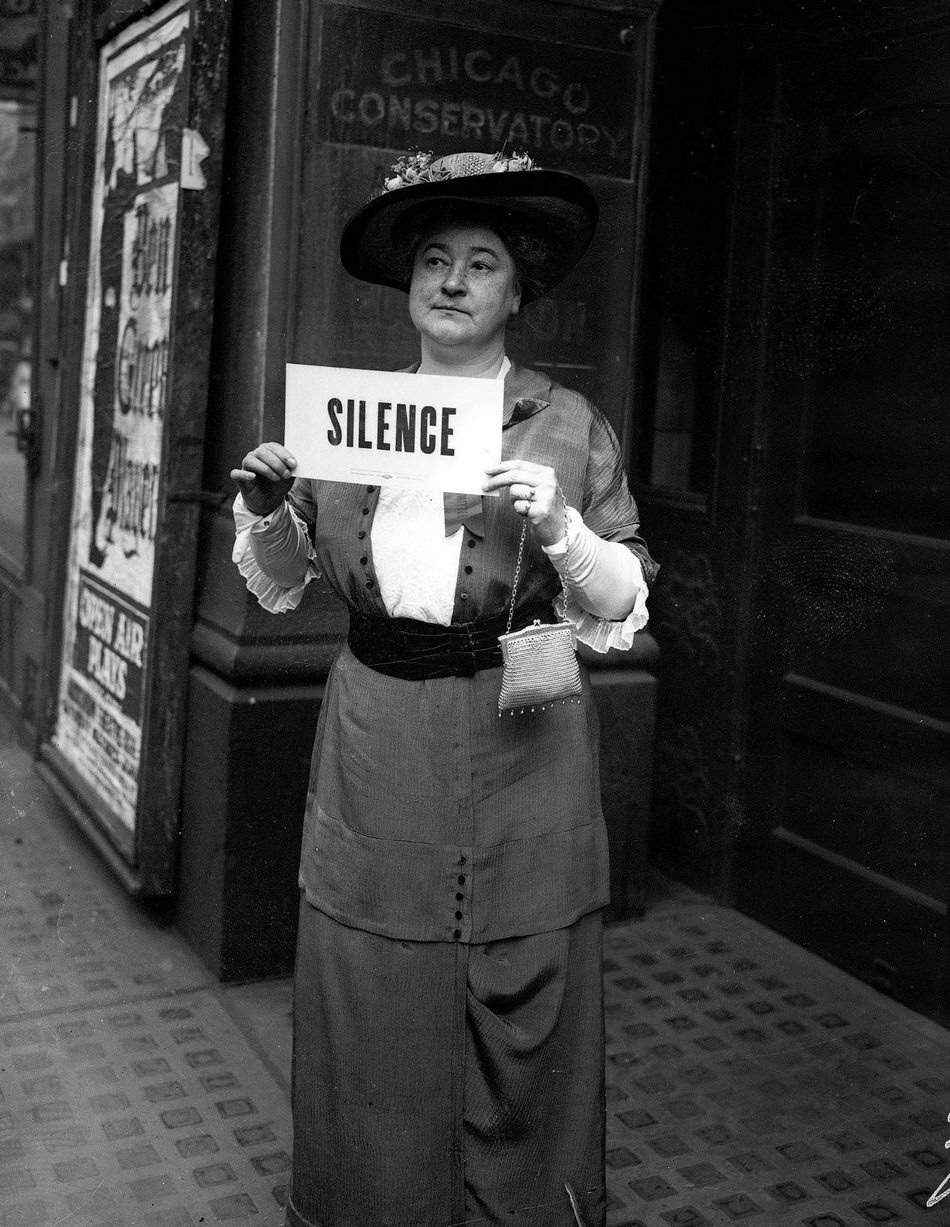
419, 167
413, 168
514, 161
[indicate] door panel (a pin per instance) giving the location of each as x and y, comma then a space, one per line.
850, 694
878, 765
698, 393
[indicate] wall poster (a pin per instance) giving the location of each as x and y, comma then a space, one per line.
101, 713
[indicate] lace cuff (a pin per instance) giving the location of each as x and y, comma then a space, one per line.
602, 634
270, 595
592, 567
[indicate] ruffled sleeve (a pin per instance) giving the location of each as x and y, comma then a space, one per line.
598, 571
273, 597
602, 634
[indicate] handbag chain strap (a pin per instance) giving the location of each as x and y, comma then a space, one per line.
514, 584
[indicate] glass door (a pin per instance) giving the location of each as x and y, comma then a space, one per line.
17, 148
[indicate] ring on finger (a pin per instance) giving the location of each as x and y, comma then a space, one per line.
530, 495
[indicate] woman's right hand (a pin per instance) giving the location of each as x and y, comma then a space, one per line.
265, 477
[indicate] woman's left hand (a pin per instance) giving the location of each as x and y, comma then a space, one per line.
535, 493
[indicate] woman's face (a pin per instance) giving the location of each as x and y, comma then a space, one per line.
464, 289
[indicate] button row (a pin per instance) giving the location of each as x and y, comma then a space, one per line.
361, 536
460, 895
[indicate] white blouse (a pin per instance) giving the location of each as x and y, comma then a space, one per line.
416, 564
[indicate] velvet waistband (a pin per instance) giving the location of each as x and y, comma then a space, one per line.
413, 650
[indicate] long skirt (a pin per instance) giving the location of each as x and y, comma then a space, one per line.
437, 1084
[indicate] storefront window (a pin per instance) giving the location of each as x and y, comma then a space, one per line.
17, 143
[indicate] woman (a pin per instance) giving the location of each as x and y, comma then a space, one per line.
448, 1052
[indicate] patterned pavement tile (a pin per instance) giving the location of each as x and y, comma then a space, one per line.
747, 1081
197, 1134
70, 938
780, 1092
129, 1097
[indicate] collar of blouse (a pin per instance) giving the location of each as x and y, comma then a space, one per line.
527, 392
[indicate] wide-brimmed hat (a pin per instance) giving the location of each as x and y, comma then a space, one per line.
558, 206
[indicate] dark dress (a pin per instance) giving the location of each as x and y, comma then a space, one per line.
448, 1054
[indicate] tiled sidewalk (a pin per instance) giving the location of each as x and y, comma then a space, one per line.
747, 1080
750, 1081
129, 1097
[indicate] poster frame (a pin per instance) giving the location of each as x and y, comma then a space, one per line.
144, 853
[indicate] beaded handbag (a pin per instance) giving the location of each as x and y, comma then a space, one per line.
540, 662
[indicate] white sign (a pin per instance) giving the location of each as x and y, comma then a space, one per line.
435, 432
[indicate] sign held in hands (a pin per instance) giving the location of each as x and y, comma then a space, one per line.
434, 432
